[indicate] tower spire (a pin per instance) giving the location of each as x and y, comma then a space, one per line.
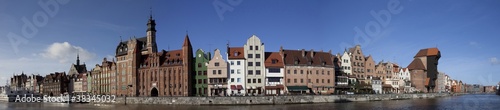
78, 58
151, 12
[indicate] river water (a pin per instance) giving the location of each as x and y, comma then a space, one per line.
464, 102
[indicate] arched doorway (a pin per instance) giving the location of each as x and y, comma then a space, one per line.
154, 92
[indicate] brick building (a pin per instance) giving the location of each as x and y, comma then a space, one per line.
309, 71
424, 71
55, 84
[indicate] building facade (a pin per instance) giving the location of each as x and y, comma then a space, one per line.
308, 71
143, 71
217, 75
358, 62
275, 73
424, 69
55, 84
237, 71
200, 73
254, 55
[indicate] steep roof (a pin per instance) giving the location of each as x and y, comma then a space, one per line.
416, 64
187, 42
236, 53
270, 56
428, 52
311, 58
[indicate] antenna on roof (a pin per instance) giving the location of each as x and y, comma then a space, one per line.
121, 39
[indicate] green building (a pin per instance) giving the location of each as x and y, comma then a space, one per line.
200, 73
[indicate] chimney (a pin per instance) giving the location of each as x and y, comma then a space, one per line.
303, 53
312, 53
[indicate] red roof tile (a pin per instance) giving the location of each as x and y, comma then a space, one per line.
278, 60
416, 64
236, 53
428, 52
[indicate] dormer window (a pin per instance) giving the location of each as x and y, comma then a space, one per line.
235, 54
296, 62
274, 61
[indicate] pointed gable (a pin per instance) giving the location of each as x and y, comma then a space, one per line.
187, 42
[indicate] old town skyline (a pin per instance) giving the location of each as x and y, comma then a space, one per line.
37, 51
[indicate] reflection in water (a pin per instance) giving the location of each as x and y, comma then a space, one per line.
450, 103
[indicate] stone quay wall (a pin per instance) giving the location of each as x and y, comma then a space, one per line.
270, 100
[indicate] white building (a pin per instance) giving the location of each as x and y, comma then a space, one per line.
236, 67
275, 72
346, 63
377, 85
255, 76
405, 76
441, 82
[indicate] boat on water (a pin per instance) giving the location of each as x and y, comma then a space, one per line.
9, 95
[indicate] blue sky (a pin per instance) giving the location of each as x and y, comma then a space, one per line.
466, 31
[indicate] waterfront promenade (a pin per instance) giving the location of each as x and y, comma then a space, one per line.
272, 100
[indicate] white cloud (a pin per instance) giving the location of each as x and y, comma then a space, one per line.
494, 61
64, 52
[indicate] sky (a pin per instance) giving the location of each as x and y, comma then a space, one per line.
44, 36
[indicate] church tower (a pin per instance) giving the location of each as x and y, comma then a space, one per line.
151, 35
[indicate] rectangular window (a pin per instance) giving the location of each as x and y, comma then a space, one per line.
250, 63
232, 71
232, 62
294, 80
274, 61
317, 80
254, 80
257, 63
273, 79
249, 81
301, 71
237, 62
220, 71
288, 81
238, 80
250, 72
199, 73
251, 48
259, 81
288, 71
200, 81
257, 72
214, 72
257, 55
238, 71
322, 80
275, 70
301, 80
232, 79
216, 64
204, 72
250, 55
256, 47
